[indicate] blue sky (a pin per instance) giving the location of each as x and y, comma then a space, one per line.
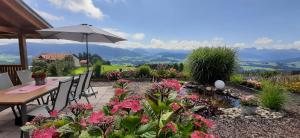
183, 24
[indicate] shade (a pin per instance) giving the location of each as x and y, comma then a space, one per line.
80, 33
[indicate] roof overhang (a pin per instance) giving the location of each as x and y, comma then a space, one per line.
17, 17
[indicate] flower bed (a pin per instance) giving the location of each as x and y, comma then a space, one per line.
162, 113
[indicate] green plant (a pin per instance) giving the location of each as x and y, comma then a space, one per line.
39, 66
97, 69
210, 64
52, 70
144, 71
272, 96
237, 79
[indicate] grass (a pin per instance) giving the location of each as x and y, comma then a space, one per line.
104, 69
256, 68
272, 96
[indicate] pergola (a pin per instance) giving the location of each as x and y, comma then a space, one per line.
19, 21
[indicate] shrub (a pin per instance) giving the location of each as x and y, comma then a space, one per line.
210, 64
272, 96
97, 69
237, 79
53, 70
144, 71
172, 73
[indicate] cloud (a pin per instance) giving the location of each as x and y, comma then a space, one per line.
263, 41
85, 6
49, 16
117, 32
135, 36
138, 36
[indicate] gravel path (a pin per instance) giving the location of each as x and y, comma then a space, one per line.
286, 127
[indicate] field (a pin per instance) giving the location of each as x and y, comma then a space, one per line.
104, 69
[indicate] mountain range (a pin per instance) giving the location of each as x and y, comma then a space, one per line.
9, 53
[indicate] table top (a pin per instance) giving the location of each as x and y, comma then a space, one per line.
7, 98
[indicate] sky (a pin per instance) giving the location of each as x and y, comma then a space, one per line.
182, 24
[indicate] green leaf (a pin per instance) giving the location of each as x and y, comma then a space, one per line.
85, 134
147, 127
28, 128
172, 96
150, 134
153, 106
131, 122
130, 136
162, 106
94, 131
106, 110
165, 118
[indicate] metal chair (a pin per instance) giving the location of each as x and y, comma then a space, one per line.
88, 89
25, 76
5, 84
77, 91
61, 100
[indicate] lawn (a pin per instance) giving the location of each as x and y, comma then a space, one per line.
104, 69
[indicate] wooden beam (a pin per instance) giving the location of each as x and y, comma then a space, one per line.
23, 14
8, 29
23, 50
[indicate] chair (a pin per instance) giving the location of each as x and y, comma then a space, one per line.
77, 92
61, 100
88, 89
25, 76
5, 81
5, 84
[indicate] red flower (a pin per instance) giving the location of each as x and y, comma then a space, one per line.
144, 119
134, 105
83, 123
207, 122
175, 106
113, 101
54, 113
95, 117
88, 107
171, 84
193, 97
170, 126
119, 91
135, 97
200, 134
45, 133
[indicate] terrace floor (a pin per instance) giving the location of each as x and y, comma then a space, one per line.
9, 130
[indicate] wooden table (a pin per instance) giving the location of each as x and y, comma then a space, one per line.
21, 99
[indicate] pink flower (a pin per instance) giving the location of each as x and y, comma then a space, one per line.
200, 134
144, 119
45, 133
83, 123
171, 84
170, 126
197, 124
135, 97
54, 113
113, 101
134, 105
95, 117
193, 97
207, 122
119, 91
175, 106
88, 107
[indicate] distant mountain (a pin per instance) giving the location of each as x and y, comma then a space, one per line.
36, 49
271, 58
253, 54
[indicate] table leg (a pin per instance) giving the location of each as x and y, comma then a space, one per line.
24, 118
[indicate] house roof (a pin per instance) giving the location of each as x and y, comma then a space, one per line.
54, 56
17, 17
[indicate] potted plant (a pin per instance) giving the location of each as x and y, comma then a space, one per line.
39, 77
249, 104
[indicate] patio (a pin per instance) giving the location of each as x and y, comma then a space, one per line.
9, 130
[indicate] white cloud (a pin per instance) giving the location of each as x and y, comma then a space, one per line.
117, 32
263, 41
85, 6
138, 36
115, 1
49, 16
